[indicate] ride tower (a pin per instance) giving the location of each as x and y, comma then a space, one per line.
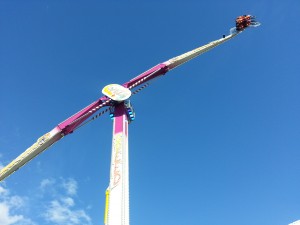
117, 193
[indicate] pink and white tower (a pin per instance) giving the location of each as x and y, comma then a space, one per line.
117, 193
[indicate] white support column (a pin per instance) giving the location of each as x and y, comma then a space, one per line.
117, 204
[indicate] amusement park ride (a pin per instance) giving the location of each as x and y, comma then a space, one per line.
116, 100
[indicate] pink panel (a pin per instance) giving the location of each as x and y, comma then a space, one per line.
160, 68
119, 118
69, 125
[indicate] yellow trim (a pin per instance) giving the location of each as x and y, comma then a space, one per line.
106, 206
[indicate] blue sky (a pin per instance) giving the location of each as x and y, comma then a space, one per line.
215, 141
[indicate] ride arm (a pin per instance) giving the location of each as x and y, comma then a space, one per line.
41, 145
172, 63
181, 59
70, 124
44, 142
148, 75
73, 122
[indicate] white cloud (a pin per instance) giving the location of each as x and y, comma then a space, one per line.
61, 212
60, 208
16, 201
54, 187
295, 223
70, 186
5, 217
3, 192
8, 206
68, 201
46, 182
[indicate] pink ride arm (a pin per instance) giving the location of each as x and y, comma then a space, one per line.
150, 74
70, 124
172, 63
74, 121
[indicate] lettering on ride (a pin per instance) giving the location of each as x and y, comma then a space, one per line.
117, 161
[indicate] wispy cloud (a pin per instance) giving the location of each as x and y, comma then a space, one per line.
9, 206
5, 216
3, 192
295, 223
68, 201
46, 182
62, 210
70, 186
57, 198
